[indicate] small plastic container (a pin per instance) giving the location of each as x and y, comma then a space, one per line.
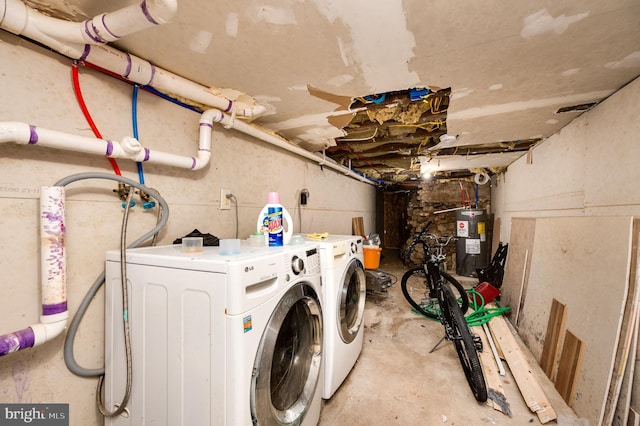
192, 244
371, 257
229, 247
487, 291
256, 239
297, 240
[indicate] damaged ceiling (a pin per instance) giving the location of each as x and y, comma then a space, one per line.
397, 88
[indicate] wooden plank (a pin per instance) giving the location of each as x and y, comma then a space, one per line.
357, 226
523, 284
496, 397
569, 367
531, 391
495, 235
623, 408
555, 326
634, 418
628, 318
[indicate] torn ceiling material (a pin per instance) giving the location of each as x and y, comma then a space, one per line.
390, 132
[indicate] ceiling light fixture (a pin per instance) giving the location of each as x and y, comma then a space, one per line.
447, 138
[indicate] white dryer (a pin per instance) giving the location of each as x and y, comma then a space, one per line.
216, 340
343, 300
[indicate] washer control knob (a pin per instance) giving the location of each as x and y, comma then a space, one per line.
297, 265
354, 247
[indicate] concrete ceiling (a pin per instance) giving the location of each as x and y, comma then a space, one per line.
336, 75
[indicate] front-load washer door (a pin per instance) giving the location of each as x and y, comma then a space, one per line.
351, 298
286, 370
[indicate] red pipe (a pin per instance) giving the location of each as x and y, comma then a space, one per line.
87, 115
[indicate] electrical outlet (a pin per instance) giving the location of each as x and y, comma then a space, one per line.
225, 203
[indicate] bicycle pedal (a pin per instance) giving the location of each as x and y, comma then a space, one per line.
477, 342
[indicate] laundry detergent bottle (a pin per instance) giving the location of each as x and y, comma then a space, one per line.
273, 220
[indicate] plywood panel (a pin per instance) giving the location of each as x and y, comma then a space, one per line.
585, 262
517, 267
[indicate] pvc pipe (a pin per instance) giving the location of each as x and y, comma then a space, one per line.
85, 41
494, 350
280, 142
53, 319
140, 71
129, 148
104, 28
59, 35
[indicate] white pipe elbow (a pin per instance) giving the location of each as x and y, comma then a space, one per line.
210, 116
254, 112
46, 331
203, 159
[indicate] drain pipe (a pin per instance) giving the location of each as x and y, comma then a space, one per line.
54, 316
85, 41
129, 148
68, 37
273, 139
107, 27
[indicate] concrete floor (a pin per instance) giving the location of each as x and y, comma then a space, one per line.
397, 381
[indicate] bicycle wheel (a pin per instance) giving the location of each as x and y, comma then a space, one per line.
416, 290
461, 336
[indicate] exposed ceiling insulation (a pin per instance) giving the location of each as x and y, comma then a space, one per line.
498, 74
390, 132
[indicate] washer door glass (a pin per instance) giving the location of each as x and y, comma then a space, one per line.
287, 366
351, 298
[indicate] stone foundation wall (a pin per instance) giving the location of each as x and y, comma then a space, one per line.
435, 201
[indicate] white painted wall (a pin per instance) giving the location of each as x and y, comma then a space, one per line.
36, 88
590, 168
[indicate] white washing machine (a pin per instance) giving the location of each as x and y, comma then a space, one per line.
343, 300
216, 340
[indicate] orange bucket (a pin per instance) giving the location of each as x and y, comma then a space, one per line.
371, 257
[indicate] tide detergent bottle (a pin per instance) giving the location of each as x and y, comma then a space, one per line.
272, 221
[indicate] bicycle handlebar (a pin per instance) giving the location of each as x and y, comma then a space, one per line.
423, 237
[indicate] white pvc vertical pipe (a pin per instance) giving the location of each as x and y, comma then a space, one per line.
52, 263
53, 319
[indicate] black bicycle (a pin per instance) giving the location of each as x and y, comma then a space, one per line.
430, 291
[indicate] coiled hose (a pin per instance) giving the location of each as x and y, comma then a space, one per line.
69, 358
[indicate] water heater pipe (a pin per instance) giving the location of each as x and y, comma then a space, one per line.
53, 319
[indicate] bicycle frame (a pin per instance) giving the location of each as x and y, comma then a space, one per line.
439, 285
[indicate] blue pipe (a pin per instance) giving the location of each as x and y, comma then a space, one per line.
170, 99
134, 120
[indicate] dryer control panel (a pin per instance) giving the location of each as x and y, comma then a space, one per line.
303, 261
